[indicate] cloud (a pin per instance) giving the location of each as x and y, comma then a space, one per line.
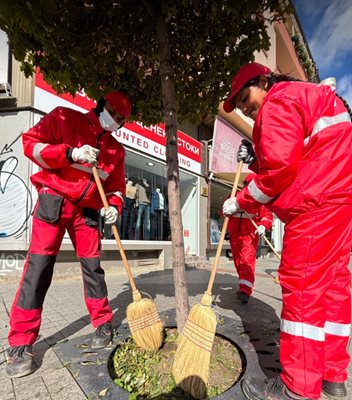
331, 38
311, 9
344, 88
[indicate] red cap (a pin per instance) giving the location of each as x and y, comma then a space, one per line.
120, 103
244, 74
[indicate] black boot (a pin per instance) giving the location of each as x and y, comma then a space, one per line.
269, 389
334, 389
102, 336
243, 297
20, 361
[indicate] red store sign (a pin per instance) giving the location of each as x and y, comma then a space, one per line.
147, 139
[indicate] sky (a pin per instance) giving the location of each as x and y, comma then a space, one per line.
327, 26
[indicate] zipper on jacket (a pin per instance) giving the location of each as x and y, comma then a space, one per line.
85, 190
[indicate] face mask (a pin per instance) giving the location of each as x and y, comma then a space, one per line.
107, 122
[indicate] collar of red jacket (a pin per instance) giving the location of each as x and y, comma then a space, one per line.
94, 120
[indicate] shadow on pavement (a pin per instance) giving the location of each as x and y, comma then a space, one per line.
259, 319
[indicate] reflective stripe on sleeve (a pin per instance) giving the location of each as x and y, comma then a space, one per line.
304, 330
257, 194
333, 328
243, 215
36, 154
118, 194
245, 282
325, 122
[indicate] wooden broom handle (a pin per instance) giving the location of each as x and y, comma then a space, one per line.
265, 238
114, 229
223, 232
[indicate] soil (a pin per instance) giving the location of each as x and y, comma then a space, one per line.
147, 375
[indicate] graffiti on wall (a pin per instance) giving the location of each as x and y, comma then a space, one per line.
15, 196
11, 263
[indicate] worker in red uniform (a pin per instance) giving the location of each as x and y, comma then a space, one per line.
244, 239
302, 141
65, 144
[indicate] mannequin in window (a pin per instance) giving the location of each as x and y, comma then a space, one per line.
143, 198
129, 211
158, 209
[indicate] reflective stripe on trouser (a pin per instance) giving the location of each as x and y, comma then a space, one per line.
25, 317
316, 313
244, 248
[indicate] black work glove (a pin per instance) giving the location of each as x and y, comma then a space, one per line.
245, 152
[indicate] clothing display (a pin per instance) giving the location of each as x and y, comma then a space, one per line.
129, 212
145, 213
143, 198
130, 190
158, 210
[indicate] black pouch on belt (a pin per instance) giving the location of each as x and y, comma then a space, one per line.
49, 207
91, 216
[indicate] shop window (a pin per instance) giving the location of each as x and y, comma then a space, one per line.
145, 212
219, 193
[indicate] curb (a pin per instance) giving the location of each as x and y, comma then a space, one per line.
90, 368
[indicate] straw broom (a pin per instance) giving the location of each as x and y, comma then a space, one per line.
142, 316
276, 279
192, 358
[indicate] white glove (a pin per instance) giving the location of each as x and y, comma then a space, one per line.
260, 231
85, 154
230, 206
110, 215
245, 152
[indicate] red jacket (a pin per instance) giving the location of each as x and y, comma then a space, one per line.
302, 137
47, 142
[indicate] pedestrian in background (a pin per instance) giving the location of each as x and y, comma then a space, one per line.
302, 139
244, 239
65, 144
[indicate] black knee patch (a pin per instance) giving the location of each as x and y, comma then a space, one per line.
93, 278
36, 281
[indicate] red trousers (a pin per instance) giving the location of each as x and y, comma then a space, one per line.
316, 290
244, 243
52, 216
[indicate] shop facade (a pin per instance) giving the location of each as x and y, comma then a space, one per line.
144, 223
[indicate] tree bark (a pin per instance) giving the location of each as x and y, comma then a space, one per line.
173, 175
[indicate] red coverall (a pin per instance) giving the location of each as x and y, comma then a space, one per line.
68, 199
244, 243
303, 140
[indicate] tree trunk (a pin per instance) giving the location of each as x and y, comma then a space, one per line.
173, 175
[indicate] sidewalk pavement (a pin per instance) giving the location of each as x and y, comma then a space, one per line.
65, 317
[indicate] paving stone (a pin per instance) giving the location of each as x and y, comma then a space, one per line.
65, 317
7, 390
32, 389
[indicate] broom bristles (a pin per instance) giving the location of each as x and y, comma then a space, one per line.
192, 358
145, 324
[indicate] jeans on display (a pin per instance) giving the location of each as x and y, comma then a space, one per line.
143, 210
128, 218
157, 222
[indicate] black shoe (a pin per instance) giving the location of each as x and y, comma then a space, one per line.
20, 361
243, 297
269, 389
102, 336
334, 389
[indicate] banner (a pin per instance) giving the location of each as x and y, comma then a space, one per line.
223, 156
